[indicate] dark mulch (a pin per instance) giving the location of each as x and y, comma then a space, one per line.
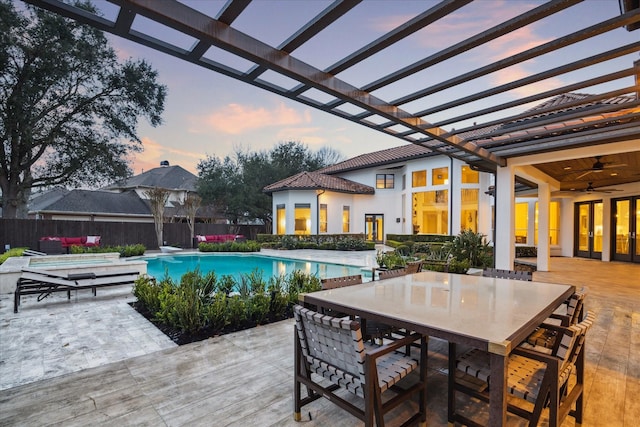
182, 338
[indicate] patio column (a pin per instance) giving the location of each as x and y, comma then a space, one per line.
504, 246
544, 245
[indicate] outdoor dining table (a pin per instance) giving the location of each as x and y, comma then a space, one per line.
494, 315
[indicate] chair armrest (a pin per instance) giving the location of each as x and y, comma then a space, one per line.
536, 355
550, 326
562, 317
392, 346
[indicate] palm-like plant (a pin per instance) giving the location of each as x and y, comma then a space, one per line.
472, 246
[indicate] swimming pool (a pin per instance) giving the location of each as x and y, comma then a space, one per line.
237, 264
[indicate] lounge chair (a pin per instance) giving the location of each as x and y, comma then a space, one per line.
334, 349
45, 282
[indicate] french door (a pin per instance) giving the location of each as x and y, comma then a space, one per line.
625, 218
588, 229
374, 227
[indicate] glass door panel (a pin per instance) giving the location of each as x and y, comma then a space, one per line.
636, 231
622, 227
588, 229
374, 227
625, 227
598, 220
583, 227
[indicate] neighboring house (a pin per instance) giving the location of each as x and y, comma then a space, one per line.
123, 201
411, 190
93, 205
177, 180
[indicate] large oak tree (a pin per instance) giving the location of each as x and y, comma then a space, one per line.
69, 108
234, 184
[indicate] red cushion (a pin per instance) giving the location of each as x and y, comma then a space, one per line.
69, 241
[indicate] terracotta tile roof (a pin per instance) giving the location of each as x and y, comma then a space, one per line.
318, 181
380, 158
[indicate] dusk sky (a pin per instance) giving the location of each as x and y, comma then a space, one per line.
210, 114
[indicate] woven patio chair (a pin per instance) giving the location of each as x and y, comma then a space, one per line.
339, 282
396, 272
414, 267
373, 330
538, 378
334, 349
507, 274
569, 313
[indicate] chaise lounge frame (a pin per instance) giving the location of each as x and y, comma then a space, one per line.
43, 282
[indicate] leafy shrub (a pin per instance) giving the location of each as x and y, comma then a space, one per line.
317, 241
297, 282
472, 246
226, 284
203, 301
351, 244
420, 237
148, 291
526, 251
403, 250
390, 260
248, 246
10, 253
236, 312
216, 312
125, 251
289, 242
259, 305
279, 298
428, 248
132, 250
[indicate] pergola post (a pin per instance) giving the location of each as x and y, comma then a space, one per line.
544, 245
504, 246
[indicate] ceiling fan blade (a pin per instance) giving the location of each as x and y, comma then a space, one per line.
608, 190
584, 174
617, 165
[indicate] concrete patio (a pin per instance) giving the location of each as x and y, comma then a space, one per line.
97, 361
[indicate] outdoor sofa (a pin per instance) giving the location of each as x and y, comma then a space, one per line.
217, 238
59, 245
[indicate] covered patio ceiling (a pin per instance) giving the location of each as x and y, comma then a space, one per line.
425, 79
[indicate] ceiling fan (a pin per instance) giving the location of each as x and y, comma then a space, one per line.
598, 166
591, 189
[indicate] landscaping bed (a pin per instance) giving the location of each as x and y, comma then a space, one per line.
181, 337
202, 306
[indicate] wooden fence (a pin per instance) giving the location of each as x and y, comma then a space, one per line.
27, 232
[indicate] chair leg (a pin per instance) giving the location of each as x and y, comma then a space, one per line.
297, 404
577, 415
451, 406
370, 398
424, 348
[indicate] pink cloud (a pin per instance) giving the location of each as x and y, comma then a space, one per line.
306, 135
154, 153
237, 119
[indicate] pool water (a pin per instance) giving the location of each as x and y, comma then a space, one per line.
237, 264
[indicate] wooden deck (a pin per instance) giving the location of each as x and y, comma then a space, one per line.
246, 378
